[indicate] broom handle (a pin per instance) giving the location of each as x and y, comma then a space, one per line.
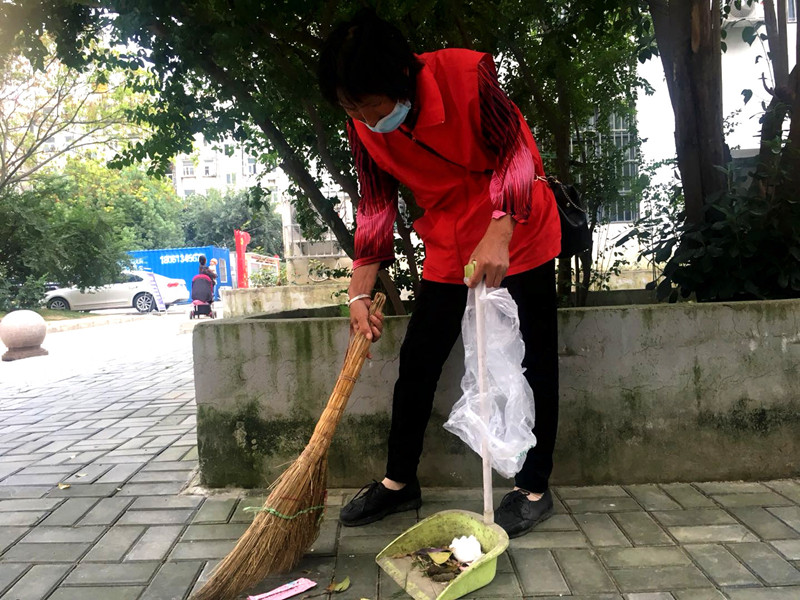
354, 360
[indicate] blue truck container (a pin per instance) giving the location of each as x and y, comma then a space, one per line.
182, 263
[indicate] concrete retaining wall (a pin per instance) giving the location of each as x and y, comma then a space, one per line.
253, 301
648, 394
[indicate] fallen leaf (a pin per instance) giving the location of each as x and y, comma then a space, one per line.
439, 557
339, 587
80, 474
63, 486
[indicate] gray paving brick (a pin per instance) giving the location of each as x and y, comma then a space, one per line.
106, 511
118, 592
789, 515
166, 502
70, 512
175, 465
325, 544
98, 490
42, 479
114, 544
203, 549
37, 583
21, 518
214, 511
538, 572
731, 487
226, 531
151, 489
595, 491
120, 473
170, 454
778, 593
9, 573
766, 563
99, 574
720, 565
650, 596
705, 516
365, 544
155, 544
768, 498
47, 535
550, 539
655, 556
45, 553
363, 572
789, 548
654, 579
558, 523
787, 487
583, 571
156, 517
162, 476
764, 524
23, 492
651, 497
601, 505
173, 581
642, 530
242, 515
712, 533
601, 530
698, 595
41, 504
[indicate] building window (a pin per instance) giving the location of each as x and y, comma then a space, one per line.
230, 178
223, 271
228, 148
250, 167
50, 144
187, 193
188, 168
792, 12
625, 209
209, 169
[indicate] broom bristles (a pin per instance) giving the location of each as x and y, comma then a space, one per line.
272, 543
289, 522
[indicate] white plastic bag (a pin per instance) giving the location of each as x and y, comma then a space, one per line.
511, 398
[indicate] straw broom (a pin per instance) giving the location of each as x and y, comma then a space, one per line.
288, 524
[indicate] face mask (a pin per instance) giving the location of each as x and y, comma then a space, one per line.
393, 120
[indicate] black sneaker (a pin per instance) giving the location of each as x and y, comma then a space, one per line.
518, 515
374, 501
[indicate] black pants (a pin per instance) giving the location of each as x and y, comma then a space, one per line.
433, 330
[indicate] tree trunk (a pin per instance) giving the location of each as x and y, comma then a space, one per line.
688, 35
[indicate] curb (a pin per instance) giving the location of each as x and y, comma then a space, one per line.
72, 324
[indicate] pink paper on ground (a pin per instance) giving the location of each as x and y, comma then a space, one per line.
292, 588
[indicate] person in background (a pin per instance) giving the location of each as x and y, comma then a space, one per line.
204, 270
440, 124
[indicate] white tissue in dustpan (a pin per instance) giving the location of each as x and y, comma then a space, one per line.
511, 419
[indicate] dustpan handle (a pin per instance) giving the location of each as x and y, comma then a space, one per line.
480, 320
480, 290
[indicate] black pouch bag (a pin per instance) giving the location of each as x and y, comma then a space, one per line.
575, 235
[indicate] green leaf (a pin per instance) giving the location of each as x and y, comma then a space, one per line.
749, 34
747, 95
440, 557
339, 587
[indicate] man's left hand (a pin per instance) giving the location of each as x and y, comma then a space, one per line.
491, 254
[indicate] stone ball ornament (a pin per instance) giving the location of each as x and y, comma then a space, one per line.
23, 331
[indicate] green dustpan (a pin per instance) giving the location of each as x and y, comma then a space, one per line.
438, 531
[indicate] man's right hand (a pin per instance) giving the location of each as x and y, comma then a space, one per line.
362, 322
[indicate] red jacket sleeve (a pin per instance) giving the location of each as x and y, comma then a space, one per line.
377, 209
511, 188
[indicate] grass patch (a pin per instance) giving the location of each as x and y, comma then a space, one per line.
57, 315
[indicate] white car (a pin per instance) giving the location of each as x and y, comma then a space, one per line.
132, 290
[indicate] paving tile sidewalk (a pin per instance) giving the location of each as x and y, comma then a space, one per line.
123, 440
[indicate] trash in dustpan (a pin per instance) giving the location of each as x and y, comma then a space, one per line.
495, 418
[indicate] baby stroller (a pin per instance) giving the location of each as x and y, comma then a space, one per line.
202, 297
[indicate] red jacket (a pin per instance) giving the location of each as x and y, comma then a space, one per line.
451, 178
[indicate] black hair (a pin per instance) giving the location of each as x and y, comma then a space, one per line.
364, 56
202, 259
